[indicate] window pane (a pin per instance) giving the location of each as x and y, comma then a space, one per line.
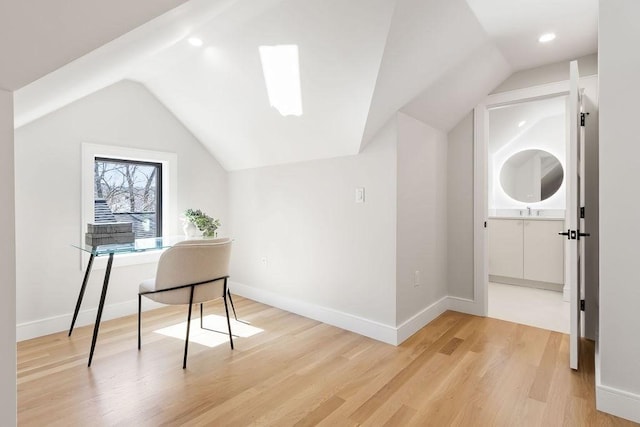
129, 191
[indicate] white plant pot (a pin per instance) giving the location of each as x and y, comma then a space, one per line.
190, 230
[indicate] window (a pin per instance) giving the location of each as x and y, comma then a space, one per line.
129, 191
166, 194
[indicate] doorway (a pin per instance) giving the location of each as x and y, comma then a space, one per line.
581, 208
526, 197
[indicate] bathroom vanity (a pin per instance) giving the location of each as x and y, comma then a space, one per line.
526, 194
526, 251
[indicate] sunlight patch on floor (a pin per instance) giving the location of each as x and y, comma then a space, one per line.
207, 336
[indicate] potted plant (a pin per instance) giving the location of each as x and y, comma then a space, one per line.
202, 222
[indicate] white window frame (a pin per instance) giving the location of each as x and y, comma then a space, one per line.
169, 162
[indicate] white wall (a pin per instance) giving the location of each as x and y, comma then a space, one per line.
303, 244
460, 209
618, 390
592, 244
421, 217
48, 200
7, 264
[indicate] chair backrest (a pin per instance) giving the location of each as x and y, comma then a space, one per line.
203, 241
193, 261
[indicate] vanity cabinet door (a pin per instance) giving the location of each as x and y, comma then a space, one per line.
543, 251
505, 248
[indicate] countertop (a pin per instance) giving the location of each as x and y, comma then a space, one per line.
529, 218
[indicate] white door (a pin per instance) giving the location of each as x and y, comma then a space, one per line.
581, 220
574, 243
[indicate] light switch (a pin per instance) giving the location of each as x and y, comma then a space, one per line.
360, 195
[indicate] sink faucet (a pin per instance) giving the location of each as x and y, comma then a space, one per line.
528, 211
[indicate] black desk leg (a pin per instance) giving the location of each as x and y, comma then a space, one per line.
105, 285
81, 295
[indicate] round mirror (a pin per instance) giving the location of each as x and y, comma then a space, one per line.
531, 176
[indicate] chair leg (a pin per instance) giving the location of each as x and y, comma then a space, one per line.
201, 316
226, 309
139, 319
231, 301
186, 341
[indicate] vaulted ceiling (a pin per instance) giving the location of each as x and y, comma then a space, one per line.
361, 61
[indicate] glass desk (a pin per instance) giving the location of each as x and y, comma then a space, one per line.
139, 246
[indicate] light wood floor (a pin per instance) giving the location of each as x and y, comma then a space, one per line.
459, 370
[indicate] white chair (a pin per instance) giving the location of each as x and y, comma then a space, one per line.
191, 272
199, 242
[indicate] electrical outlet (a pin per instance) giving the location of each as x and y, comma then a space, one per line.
264, 261
416, 278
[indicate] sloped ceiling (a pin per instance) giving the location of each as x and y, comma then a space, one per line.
219, 92
444, 103
113, 61
361, 61
39, 36
514, 26
505, 121
428, 39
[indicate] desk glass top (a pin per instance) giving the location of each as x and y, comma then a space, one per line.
140, 245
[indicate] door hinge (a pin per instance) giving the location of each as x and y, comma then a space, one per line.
583, 117
582, 212
582, 305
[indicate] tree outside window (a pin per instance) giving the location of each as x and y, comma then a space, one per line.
129, 191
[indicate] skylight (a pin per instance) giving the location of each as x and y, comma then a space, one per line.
281, 69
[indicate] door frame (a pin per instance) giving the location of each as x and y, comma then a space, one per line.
480, 196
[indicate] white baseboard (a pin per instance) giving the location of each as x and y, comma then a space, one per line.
50, 325
359, 325
464, 305
367, 327
370, 328
615, 401
419, 320
618, 402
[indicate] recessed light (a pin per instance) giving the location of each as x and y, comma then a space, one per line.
194, 41
522, 123
545, 38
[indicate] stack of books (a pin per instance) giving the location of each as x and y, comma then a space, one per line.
109, 233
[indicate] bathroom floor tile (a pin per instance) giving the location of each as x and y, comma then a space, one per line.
529, 306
